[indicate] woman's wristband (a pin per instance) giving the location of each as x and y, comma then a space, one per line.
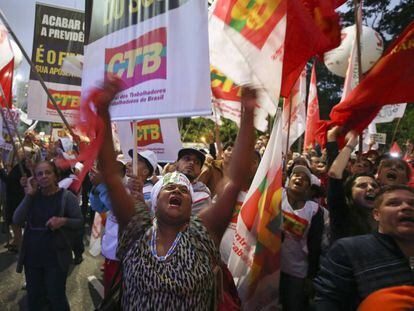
350, 147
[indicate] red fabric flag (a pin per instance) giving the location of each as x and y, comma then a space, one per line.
6, 81
312, 116
390, 81
6, 67
312, 28
395, 148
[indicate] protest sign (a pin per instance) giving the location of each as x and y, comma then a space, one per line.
160, 51
59, 32
159, 135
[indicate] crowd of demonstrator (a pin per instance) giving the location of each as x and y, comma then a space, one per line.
347, 236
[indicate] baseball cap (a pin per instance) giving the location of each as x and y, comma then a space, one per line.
302, 169
148, 157
196, 152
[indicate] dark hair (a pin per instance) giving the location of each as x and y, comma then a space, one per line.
386, 189
365, 159
52, 165
228, 144
359, 215
349, 183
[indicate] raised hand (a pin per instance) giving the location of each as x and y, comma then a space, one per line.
351, 139
249, 98
106, 94
135, 186
333, 133
29, 184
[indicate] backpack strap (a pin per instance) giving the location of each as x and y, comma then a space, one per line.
63, 203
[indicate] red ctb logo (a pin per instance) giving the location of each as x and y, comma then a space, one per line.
139, 60
66, 100
149, 132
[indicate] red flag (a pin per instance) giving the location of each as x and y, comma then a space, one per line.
395, 148
6, 67
312, 117
390, 81
312, 28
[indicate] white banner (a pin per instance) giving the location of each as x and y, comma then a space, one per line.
160, 51
158, 135
389, 112
40, 108
246, 45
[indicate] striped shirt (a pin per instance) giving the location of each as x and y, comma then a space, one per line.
357, 266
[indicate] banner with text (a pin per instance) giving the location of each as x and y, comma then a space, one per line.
160, 51
390, 112
158, 135
58, 32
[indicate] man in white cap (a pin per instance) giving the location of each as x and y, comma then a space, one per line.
147, 164
303, 226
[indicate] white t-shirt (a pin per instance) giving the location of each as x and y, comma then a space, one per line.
296, 223
110, 237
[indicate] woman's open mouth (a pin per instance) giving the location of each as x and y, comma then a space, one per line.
392, 175
406, 221
370, 197
174, 202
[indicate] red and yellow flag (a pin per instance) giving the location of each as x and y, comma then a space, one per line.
255, 256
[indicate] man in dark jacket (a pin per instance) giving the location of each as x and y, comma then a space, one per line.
358, 266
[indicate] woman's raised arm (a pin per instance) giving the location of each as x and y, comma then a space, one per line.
122, 201
217, 217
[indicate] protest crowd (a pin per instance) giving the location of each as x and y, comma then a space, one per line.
254, 223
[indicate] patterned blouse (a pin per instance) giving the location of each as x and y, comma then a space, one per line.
185, 281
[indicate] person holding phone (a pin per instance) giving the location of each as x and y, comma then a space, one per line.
50, 215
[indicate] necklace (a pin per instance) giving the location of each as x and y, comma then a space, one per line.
154, 244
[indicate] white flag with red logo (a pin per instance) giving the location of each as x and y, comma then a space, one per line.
6, 67
294, 111
246, 45
226, 97
312, 117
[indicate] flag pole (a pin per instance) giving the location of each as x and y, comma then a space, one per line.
36, 73
358, 26
219, 155
397, 126
135, 149
288, 130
